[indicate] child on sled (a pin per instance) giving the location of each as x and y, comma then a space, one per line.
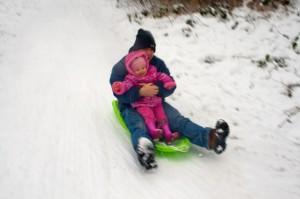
140, 72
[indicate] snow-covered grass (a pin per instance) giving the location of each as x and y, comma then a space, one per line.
60, 139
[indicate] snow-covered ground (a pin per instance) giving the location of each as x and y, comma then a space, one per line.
60, 139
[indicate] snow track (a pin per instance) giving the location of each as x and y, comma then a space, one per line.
56, 122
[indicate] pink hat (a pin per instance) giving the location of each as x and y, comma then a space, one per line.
132, 56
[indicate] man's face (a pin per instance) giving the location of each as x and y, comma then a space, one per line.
149, 52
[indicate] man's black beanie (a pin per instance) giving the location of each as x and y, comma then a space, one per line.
144, 39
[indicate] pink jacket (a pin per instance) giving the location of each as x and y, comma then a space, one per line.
151, 77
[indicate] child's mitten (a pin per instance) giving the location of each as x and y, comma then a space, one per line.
117, 88
169, 85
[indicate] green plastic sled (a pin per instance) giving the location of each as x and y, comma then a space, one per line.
180, 145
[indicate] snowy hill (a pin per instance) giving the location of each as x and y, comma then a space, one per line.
60, 139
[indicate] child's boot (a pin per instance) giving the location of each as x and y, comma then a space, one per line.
169, 136
155, 133
175, 136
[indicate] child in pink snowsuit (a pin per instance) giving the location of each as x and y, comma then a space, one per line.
151, 109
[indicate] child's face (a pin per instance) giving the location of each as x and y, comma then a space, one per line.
139, 67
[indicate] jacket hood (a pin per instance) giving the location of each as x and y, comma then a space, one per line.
132, 56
